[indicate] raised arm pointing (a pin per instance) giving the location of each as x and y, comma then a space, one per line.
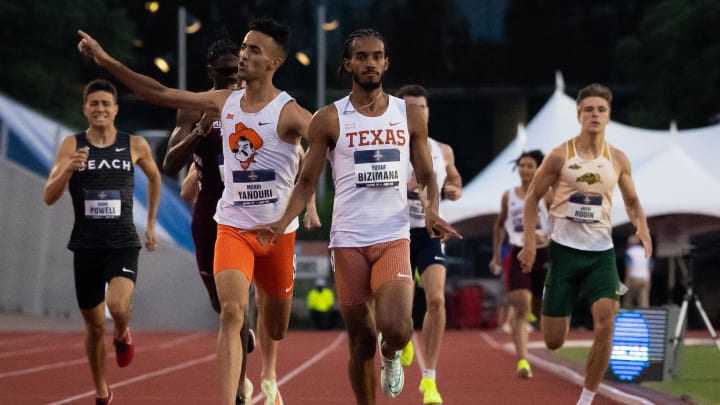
148, 88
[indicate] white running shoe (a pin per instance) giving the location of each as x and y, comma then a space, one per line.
622, 289
392, 376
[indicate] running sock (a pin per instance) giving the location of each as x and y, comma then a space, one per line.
586, 397
428, 373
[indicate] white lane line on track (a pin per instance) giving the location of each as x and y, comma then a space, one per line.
31, 351
304, 366
141, 377
45, 367
23, 339
490, 341
169, 344
569, 374
180, 340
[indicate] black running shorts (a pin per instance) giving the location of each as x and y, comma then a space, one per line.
94, 268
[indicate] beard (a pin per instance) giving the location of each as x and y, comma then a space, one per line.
368, 85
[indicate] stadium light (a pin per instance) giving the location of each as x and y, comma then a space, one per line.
162, 64
303, 58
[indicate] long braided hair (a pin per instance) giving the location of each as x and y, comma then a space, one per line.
347, 46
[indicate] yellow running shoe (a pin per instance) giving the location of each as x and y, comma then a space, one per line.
523, 369
407, 354
531, 317
429, 390
270, 391
247, 387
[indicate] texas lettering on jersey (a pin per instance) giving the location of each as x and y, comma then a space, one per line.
375, 137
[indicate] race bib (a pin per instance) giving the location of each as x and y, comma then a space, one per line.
221, 166
517, 225
102, 204
516, 218
584, 208
377, 168
417, 210
254, 187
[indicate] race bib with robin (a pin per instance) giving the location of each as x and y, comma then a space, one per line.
254, 187
584, 208
102, 204
377, 168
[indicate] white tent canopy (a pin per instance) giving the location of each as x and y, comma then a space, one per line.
674, 171
671, 182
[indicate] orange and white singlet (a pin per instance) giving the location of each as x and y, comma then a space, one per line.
514, 220
260, 168
370, 170
580, 212
417, 211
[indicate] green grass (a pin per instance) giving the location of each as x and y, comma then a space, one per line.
699, 379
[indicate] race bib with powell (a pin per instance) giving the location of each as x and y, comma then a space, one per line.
102, 204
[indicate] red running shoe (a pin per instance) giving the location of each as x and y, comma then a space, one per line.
106, 400
124, 350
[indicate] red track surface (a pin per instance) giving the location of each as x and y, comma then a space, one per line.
179, 368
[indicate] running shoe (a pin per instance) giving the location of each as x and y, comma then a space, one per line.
407, 354
251, 341
392, 376
248, 387
530, 317
270, 390
124, 350
622, 289
106, 400
523, 369
429, 390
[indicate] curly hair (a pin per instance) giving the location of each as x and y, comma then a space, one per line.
535, 154
221, 47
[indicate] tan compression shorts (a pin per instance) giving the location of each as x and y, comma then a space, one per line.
361, 271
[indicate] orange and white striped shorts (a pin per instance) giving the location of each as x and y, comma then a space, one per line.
361, 271
272, 267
